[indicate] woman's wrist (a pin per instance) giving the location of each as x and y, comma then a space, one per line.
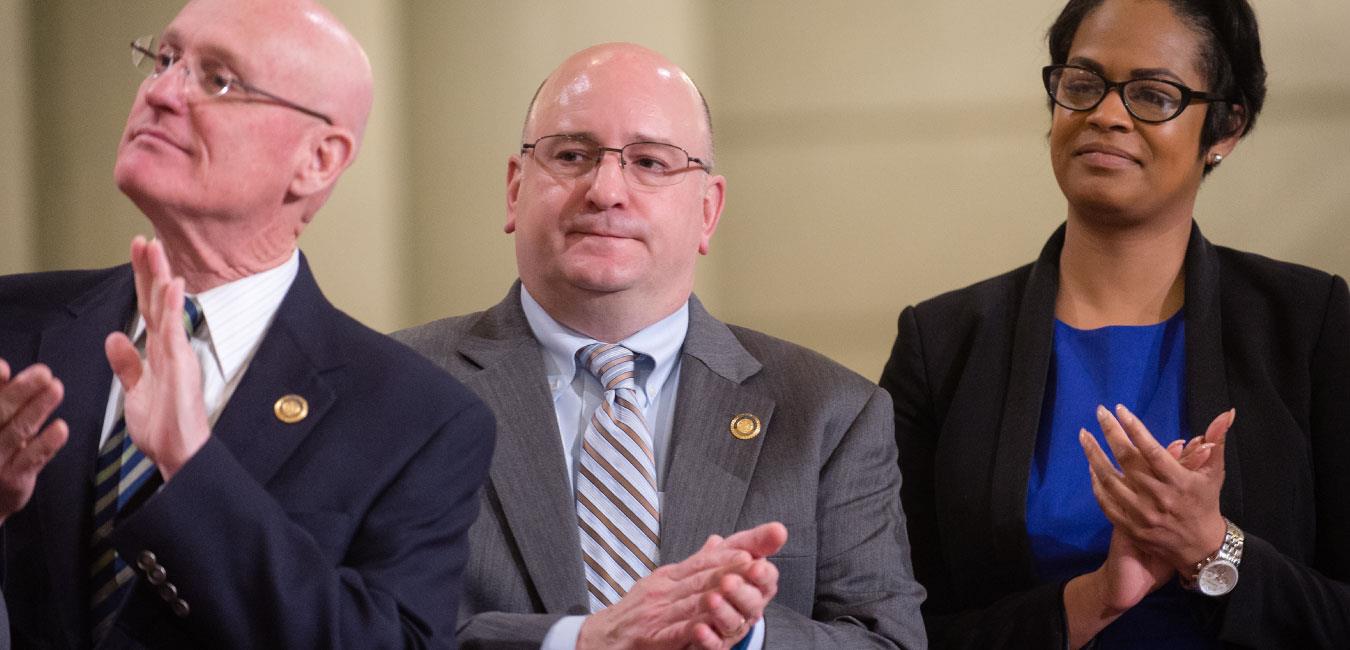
1087, 611
1212, 539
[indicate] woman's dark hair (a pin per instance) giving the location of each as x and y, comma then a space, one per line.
1230, 56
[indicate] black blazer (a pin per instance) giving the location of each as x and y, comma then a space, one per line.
968, 374
346, 529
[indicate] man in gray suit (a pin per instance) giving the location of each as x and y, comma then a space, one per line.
634, 428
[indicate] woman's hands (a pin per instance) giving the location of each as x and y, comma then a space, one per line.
1160, 505
1165, 499
1093, 600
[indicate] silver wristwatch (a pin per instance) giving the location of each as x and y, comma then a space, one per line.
1217, 574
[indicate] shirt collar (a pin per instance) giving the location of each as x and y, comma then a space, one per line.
238, 313
660, 342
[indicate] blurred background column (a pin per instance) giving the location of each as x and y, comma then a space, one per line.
16, 215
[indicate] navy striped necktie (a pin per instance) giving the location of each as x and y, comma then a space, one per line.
123, 479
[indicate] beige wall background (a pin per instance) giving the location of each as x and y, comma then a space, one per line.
877, 152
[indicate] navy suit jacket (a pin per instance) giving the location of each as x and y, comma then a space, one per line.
346, 529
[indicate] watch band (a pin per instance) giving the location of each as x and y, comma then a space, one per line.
1217, 574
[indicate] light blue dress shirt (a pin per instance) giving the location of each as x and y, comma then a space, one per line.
577, 393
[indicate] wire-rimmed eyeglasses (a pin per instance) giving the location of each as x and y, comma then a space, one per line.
151, 60
1149, 100
653, 164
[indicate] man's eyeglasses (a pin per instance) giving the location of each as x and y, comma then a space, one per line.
149, 59
1148, 100
653, 164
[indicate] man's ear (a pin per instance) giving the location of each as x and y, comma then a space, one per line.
326, 157
513, 172
714, 199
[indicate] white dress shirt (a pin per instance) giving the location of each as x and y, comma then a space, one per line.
577, 393
236, 316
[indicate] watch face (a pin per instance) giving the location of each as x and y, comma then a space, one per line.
1217, 578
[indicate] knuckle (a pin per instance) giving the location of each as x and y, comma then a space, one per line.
1150, 520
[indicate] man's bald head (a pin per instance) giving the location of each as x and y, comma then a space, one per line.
233, 178
587, 61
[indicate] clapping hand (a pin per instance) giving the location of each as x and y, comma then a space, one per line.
26, 401
1167, 502
709, 601
164, 411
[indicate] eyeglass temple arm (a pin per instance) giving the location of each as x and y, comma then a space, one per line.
285, 102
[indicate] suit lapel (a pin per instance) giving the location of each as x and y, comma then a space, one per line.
1033, 339
709, 469
294, 352
74, 351
1206, 374
528, 474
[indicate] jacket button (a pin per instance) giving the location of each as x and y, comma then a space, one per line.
168, 592
156, 575
146, 560
180, 608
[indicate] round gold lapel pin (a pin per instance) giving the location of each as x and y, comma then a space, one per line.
291, 408
745, 426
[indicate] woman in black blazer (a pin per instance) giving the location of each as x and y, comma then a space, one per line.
976, 375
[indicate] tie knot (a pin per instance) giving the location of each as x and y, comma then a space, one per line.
611, 364
192, 315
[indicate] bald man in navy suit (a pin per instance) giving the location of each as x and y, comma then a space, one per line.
280, 476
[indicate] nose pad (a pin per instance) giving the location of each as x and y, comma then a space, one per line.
619, 162
169, 86
609, 185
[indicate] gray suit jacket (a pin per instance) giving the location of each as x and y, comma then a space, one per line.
825, 465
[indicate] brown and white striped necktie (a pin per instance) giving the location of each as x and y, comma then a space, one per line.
617, 505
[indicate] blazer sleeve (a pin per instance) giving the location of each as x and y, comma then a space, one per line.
246, 568
504, 629
1030, 619
1281, 602
866, 595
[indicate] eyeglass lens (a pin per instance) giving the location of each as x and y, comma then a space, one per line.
1151, 100
152, 59
647, 163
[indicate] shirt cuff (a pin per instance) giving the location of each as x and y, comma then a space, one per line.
564, 634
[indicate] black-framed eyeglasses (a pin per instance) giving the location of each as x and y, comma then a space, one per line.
653, 164
150, 60
1148, 100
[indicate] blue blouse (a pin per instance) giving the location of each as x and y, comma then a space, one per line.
1142, 367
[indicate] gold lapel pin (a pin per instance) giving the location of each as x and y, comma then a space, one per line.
291, 408
745, 426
